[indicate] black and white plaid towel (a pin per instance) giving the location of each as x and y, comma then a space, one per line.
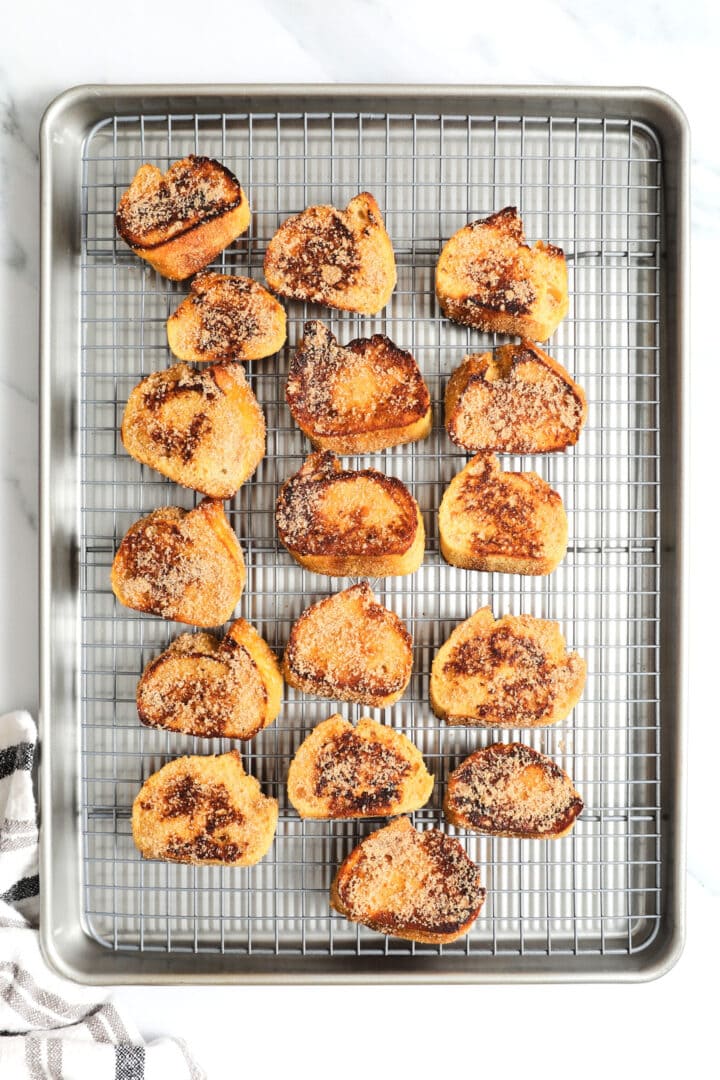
50, 1027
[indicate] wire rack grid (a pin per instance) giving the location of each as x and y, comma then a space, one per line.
591, 186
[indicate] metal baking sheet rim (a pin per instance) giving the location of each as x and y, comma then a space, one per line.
66, 123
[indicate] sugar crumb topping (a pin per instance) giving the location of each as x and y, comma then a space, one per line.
408, 879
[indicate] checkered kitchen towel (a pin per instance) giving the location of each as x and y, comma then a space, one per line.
50, 1027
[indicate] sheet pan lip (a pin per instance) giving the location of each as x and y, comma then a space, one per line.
84, 93
486, 971
675, 123
45, 499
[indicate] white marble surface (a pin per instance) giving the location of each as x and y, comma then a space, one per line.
45, 48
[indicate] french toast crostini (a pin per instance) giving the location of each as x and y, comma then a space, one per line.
185, 565
370, 770
203, 429
512, 672
509, 789
420, 886
501, 522
226, 317
488, 277
341, 523
341, 258
180, 220
356, 398
348, 647
515, 400
204, 810
228, 689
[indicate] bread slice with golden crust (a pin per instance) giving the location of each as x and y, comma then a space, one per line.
512, 672
203, 429
509, 789
488, 277
342, 523
185, 565
180, 220
341, 258
229, 689
359, 397
204, 810
341, 771
226, 317
420, 886
515, 400
501, 522
350, 648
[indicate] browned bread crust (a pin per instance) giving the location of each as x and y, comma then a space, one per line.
203, 429
179, 221
204, 810
515, 400
341, 258
509, 789
229, 689
185, 565
341, 771
502, 522
342, 523
350, 648
488, 277
225, 317
416, 886
512, 672
356, 398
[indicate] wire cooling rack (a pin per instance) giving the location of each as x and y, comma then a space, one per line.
591, 186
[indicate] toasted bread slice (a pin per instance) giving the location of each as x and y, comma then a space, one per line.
511, 672
502, 522
226, 318
350, 648
509, 789
341, 258
515, 400
342, 523
341, 771
353, 399
204, 810
203, 429
229, 689
488, 277
420, 886
185, 565
179, 221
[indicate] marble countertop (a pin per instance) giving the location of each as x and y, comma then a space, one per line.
48, 47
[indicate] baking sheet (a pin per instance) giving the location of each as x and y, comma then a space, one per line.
600, 902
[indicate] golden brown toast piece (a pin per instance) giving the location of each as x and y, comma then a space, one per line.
488, 277
342, 523
341, 771
416, 886
350, 648
225, 317
512, 672
229, 689
515, 400
501, 522
203, 429
341, 258
356, 398
509, 789
185, 565
204, 810
180, 220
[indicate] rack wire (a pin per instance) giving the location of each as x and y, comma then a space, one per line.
591, 186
